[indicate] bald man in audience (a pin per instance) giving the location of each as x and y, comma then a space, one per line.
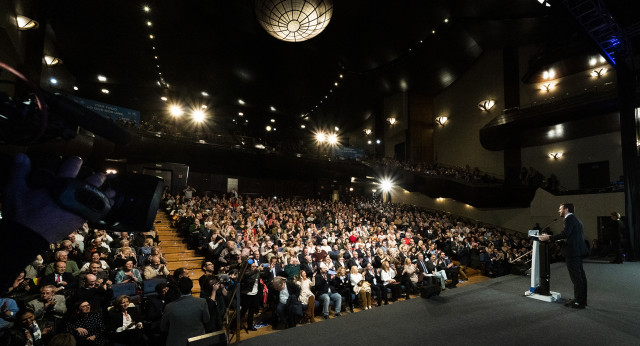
71, 265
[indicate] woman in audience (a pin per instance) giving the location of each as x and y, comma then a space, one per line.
125, 254
387, 275
125, 323
361, 287
87, 327
307, 298
409, 277
343, 286
128, 273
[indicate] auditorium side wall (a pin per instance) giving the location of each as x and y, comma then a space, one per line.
543, 209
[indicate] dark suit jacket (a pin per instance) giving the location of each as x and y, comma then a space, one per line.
185, 318
574, 234
322, 286
423, 267
369, 277
50, 279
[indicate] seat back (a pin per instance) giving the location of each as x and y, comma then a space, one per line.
149, 286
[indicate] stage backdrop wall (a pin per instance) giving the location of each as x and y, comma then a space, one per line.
544, 208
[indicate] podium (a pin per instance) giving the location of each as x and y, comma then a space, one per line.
540, 271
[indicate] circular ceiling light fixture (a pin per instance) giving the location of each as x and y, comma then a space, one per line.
294, 21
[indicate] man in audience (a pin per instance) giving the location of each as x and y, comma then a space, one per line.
60, 279
49, 307
155, 269
185, 317
95, 268
70, 265
97, 293
432, 266
326, 291
208, 269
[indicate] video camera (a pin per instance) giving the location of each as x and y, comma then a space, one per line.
41, 116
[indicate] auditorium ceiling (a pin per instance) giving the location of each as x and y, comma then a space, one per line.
371, 48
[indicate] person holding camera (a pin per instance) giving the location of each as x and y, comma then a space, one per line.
155, 269
251, 294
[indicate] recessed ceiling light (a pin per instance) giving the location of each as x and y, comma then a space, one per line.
51, 61
75, 88
149, 23
205, 94
240, 101
102, 78
105, 91
53, 81
164, 98
151, 37
26, 23
273, 120
446, 20
273, 109
240, 114
146, 8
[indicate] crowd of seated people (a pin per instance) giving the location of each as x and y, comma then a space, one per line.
334, 255
294, 259
466, 174
88, 287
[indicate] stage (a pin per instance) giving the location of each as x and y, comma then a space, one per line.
494, 312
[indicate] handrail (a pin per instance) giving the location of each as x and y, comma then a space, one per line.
228, 318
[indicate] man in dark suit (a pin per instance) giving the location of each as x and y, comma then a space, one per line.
185, 317
372, 276
573, 250
60, 279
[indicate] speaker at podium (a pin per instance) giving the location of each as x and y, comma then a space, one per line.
540, 271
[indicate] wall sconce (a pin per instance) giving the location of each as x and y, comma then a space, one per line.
441, 120
367, 131
392, 121
51, 61
486, 105
547, 86
597, 73
555, 156
26, 23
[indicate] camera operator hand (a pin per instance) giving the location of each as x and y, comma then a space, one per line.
35, 208
31, 218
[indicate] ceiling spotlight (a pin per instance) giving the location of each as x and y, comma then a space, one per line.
75, 88
332, 139
441, 120
273, 120
105, 91
164, 98
369, 142
446, 20
336, 128
204, 107
149, 23
486, 105
549, 74
240, 114
367, 131
294, 21
392, 121
26, 23
175, 110
198, 115
378, 141
341, 76
268, 128
146, 9
102, 78
272, 108
151, 37
321, 137
53, 81
433, 31
205, 94
385, 184
240, 102
544, 2
51, 61
336, 83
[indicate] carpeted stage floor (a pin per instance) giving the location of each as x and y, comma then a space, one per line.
493, 312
